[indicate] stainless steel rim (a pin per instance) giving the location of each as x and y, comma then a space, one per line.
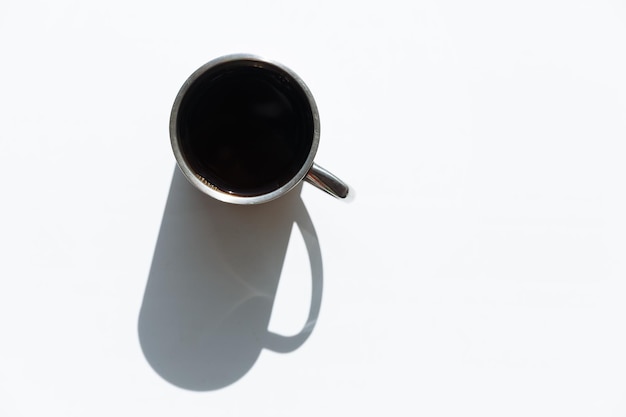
212, 190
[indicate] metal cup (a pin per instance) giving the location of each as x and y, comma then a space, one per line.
307, 171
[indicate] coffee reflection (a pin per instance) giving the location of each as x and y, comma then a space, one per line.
244, 128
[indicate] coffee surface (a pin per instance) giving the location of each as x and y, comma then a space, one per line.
246, 130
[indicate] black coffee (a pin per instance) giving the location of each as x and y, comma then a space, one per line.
245, 129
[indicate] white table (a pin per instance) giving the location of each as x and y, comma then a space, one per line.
480, 270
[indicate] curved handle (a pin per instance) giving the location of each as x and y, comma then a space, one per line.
284, 344
326, 181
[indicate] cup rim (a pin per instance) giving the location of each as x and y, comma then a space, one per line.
212, 190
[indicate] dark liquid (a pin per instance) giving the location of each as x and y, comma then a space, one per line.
244, 129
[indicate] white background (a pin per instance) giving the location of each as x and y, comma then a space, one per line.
480, 271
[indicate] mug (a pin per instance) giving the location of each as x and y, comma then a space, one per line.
245, 130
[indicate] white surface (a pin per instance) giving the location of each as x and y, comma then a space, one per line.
480, 271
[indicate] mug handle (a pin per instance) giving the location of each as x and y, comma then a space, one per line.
284, 344
326, 181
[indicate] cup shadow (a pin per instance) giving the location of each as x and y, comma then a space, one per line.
215, 272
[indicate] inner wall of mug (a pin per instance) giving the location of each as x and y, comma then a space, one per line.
245, 127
